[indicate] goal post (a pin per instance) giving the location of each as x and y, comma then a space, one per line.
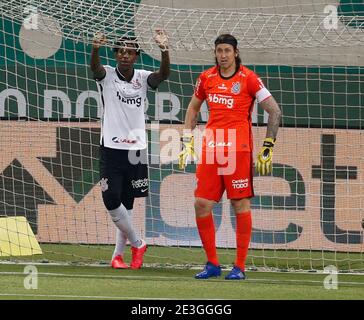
306, 215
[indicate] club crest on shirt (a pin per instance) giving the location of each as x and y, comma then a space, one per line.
235, 88
103, 184
136, 84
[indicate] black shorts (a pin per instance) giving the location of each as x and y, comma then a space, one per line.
124, 172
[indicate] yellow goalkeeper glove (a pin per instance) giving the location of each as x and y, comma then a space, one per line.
188, 150
264, 160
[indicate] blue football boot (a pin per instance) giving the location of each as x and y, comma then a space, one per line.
236, 274
209, 271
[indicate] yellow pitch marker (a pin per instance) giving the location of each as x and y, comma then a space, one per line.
17, 238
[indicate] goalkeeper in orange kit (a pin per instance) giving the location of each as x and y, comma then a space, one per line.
230, 90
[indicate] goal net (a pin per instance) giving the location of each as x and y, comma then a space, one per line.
308, 214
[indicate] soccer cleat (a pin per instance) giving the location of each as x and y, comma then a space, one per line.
118, 263
235, 274
209, 271
137, 256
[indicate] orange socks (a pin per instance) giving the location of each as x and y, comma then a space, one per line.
206, 229
243, 234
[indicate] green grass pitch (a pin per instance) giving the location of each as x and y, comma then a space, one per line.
82, 272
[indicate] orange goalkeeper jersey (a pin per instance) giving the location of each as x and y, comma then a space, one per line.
230, 102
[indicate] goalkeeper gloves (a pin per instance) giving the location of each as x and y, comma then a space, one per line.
264, 160
188, 150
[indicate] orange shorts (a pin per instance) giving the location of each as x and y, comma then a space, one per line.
219, 172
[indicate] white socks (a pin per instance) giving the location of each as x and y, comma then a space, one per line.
120, 243
121, 239
122, 219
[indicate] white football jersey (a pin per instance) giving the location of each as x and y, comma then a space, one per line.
123, 119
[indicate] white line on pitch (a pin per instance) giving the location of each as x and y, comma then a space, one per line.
66, 275
76, 296
152, 278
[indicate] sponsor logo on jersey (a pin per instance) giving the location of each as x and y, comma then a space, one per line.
220, 99
141, 183
103, 184
213, 144
222, 87
240, 184
123, 140
130, 100
236, 88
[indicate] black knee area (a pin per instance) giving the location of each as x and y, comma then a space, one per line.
111, 200
128, 202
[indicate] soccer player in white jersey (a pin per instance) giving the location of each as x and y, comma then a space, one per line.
123, 156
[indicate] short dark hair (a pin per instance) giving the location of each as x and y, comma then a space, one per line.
228, 39
124, 41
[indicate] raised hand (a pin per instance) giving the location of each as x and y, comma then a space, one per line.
99, 40
161, 39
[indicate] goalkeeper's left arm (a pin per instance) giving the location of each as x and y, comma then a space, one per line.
188, 148
264, 163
